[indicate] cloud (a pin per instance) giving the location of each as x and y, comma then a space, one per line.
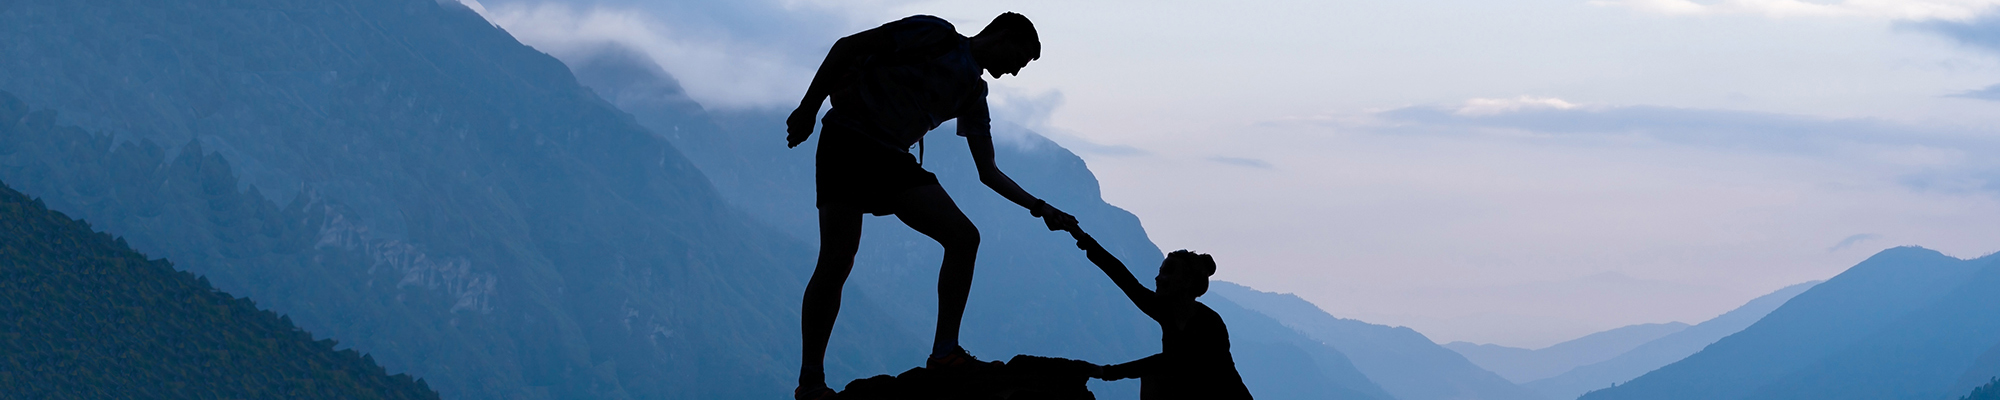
1982, 33
1922, 158
1484, 107
1989, 93
1242, 162
732, 54
1917, 10
1701, 127
1850, 241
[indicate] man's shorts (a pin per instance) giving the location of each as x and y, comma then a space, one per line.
855, 172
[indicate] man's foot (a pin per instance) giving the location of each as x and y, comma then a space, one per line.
817, 393
956, 359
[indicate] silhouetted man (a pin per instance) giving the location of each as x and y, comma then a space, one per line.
890, 85
1194, 361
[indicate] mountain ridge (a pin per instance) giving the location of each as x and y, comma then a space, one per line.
1665, 350
1813, 326
1403, 361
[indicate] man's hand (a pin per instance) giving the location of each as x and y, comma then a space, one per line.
1057, 220
1084, 241
800, 125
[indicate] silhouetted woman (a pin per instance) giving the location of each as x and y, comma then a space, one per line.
891, 85
1194, 361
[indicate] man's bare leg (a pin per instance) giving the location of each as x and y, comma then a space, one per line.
839, 238
929, 210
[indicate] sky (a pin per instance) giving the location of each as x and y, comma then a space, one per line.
1518, 173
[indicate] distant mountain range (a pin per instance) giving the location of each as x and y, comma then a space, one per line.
88, 318
1524, 365
1665, 350
1908, 323
1406, 364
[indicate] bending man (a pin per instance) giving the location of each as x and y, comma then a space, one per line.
890, 85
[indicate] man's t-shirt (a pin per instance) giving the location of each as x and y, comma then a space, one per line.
926, 78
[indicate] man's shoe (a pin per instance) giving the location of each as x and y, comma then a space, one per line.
818, 393
954, 360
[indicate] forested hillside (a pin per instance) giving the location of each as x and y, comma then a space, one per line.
1989, 391
88, 318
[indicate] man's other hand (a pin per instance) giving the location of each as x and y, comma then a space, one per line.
799, 126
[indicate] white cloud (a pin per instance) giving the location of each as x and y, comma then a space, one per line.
716, 70
1955, 10
1484, 107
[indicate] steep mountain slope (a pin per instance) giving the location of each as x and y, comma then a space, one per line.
1278, 364
89, 318
1805, 342
1921, 355
1665, 350
1523, 365
1035, 293
1406, 364
420, 185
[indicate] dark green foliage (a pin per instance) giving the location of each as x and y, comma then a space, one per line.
1991, 391
88, 318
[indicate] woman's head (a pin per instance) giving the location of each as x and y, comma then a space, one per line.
1184, 274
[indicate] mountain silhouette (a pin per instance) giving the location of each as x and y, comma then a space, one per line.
1523, 365
1665, 350
1906, 323
88, 318
1406, 364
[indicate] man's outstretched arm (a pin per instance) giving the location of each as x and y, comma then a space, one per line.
989, 174
1140, 295
835, 73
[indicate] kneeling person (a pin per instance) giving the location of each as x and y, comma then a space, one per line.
1194, 360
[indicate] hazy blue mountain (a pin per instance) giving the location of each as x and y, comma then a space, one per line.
1035, 293
420, 186
1524, 365
1905, 324
1665, 350
1404, 362
1925, 354
88, 318
1278, 363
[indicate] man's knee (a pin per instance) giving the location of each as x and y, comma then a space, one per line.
964, 238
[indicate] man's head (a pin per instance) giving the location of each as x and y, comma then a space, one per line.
1007, 44
1184, 275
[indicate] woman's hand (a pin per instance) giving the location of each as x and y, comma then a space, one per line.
1056, 219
